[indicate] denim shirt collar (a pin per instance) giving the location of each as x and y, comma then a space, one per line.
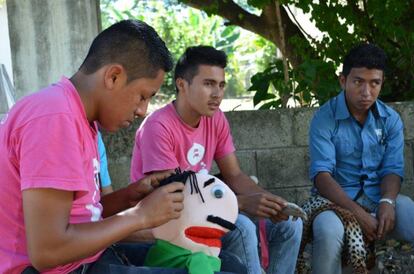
342, 112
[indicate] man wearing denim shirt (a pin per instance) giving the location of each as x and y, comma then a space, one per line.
356, 147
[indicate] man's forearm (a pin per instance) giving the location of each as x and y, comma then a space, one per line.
390, 186
330, 189
242, 184
115, 202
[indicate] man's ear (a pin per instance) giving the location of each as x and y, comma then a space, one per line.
342, 81
115, 74
180, 83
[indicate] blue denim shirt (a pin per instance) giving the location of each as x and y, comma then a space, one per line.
355, 153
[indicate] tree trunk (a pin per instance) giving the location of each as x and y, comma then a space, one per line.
264, 25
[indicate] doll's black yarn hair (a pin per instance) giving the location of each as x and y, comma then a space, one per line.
182, 177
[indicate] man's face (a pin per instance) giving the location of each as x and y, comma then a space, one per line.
204, 94
362, 87
129, 101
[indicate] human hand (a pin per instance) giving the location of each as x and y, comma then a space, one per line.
162, 205
386, 219
368, 223
138, 190
263, 205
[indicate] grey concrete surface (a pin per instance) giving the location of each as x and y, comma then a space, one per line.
271, 144
49, 39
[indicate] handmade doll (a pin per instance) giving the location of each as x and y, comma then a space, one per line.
194, 240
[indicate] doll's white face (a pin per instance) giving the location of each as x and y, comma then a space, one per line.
193, 230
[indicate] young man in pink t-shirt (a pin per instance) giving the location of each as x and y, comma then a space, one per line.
189, 134
50, 207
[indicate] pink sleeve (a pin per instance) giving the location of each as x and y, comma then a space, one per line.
50, 153
225, 144
157, 148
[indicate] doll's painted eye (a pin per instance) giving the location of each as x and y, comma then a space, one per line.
218, 191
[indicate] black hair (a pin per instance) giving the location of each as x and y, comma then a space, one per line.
133, 44
187, 65
367, 56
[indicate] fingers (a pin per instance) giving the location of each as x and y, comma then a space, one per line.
279, 218
137, 191
144, 188
389, 227
370, 234
386, 225
381, 227
173, 187
386, 219
264, 205
275, 199
265, 212
271, 204
158, 176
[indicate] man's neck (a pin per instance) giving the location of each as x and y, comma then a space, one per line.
360, 116
85, 91
187, 115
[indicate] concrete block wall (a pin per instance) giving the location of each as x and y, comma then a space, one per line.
49, 39
271, 144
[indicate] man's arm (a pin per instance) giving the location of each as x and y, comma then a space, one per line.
391, 172
330, 189
53, 241
129, 196
142, 236
252, 199
323, 164
390, 187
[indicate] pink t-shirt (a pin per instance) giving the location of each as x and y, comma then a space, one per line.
164, 141
46, 142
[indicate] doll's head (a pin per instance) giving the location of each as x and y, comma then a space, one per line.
210, 211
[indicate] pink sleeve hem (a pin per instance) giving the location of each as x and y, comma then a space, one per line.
224, 153
55, 184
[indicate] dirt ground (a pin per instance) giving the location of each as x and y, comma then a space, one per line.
392, 257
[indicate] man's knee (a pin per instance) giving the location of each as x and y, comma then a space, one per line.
404, 218
245, 231
245, 226
328, 228
287, 230
404, 202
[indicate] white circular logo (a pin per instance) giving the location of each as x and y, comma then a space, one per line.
195, 154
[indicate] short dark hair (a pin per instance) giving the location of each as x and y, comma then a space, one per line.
133, 44
367, 56
187, 65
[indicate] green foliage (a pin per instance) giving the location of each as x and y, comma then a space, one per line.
343, 24
181, 26
311, 75
388, 23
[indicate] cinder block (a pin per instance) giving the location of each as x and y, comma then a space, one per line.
120, 144
283, 167
247, 161
406, 111
296, 195
261, 129
214, 169
407, 188
119, 171
301, 123
408, 161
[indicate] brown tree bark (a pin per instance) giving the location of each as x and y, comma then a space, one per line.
264, 25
